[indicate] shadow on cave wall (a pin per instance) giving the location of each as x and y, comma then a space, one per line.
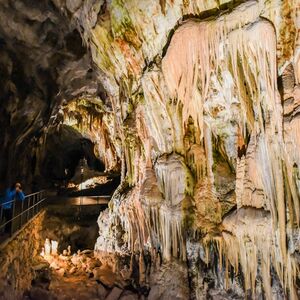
43, 62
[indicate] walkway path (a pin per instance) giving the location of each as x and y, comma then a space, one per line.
84, 200
23, 212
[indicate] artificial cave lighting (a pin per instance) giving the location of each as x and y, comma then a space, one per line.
92, 182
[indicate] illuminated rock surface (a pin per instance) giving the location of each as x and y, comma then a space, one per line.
196, 104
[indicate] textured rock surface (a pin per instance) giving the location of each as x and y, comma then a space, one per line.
18, 260
197, 103
210, 95
77, 276
43, 63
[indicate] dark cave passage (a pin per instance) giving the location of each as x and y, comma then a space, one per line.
64, 148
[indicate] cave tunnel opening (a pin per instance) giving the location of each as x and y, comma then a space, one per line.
69, 161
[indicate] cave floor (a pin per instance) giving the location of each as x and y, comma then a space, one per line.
74, 286
77, 276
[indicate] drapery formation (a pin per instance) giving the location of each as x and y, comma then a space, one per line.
212, 153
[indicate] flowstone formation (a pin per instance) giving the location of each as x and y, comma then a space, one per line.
209, 140
196, 103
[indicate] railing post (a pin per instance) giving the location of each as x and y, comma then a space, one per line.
1, 213
33, 205
28, 205
36, 201
22, 209
12, 217
40, 196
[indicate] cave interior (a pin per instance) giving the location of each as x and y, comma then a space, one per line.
184, 113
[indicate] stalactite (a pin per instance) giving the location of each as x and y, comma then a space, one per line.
221, 76
205, 48
240, 177
197, 162
245, 244
198, 52
87, 116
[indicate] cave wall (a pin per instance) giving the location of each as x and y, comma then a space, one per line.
19, 257
43, 64
205, 101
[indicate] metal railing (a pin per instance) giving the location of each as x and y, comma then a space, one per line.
86, 200
20, 212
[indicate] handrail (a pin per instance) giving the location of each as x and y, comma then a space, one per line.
41, 191
24, 211
20, 212
11, 201
26, 196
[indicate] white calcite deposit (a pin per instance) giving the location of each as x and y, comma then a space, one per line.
210, 157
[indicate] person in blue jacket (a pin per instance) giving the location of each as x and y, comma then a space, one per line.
13, 193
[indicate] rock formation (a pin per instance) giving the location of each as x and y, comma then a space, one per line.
196, 103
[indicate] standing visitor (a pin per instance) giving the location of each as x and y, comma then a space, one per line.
13, 193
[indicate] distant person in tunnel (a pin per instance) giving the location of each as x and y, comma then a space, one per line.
13, 193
